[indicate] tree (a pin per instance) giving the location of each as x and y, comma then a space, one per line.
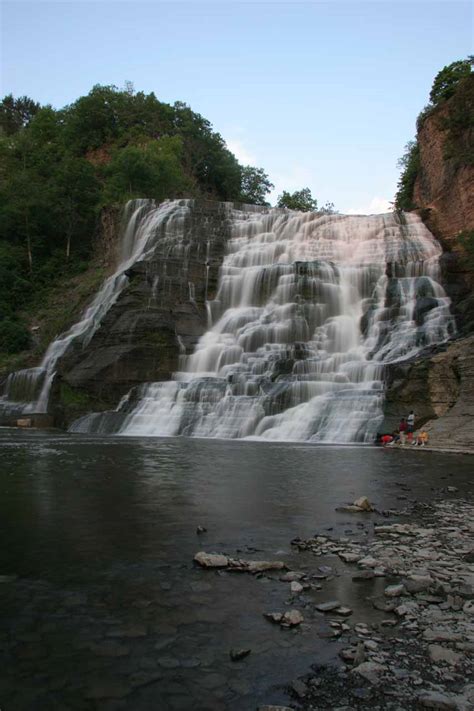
76, 198
151, 170
410, 164
448, 78
301, 200
16, 114
255, 186
328, 209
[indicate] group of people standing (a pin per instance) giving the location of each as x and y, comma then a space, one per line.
406, 433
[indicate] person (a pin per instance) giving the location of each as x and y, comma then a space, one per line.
411, 421
386, 439
402, 428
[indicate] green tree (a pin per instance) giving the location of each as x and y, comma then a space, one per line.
76, 197
410, 165
255, 186
16, 114
301, 200
446, 81
152, 170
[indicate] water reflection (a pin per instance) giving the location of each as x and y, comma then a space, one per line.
102, 534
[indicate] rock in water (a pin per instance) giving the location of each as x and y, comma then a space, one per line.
211, 560
364, 504
237, 654
292, 618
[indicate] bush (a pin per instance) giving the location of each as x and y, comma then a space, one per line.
410, 164
14, 337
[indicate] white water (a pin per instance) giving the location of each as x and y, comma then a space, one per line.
309, 310
143, 225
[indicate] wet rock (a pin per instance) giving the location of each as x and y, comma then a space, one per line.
299, 688
417, 583
437, 653
296, 587
259, 566
367, 562
468, 608
201, 529
343, 611
292, 618
394, 590
364, 504
437, 635
237, 654
363, 575
291, 576
274, 708
274, 616
372, 671
436, 700
348, 655
211, 560
328, 606
384, 606
348, 557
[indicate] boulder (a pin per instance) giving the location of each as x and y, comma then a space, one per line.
363, 503
438, 653
372, 671
211, 560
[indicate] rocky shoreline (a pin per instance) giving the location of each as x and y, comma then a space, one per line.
422, 654
415, 648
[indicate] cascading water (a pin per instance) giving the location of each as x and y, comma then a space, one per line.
308, 311
28, 391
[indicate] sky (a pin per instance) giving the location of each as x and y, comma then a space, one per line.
320, 94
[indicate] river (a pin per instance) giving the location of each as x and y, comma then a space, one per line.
108, 610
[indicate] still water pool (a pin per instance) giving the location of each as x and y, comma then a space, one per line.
108, 610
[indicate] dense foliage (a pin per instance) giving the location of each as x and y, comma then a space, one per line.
60, 168
299, 200
303, 201
455, 83
410, 164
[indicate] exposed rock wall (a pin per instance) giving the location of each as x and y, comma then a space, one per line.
440, 389
157, 318
444, 196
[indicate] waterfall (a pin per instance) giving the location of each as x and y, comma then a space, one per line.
28, 391
309, 310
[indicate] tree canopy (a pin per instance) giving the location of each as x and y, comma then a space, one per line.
60, 168
301, 200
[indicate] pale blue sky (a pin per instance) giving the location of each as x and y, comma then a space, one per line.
320, 94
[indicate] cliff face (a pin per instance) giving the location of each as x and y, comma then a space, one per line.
159, 316
440, 390
444, 195
440, 387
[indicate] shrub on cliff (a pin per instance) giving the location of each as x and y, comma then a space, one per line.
410, 164
448, 79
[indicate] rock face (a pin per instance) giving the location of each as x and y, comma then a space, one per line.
440, 389
159, 316
444, 196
